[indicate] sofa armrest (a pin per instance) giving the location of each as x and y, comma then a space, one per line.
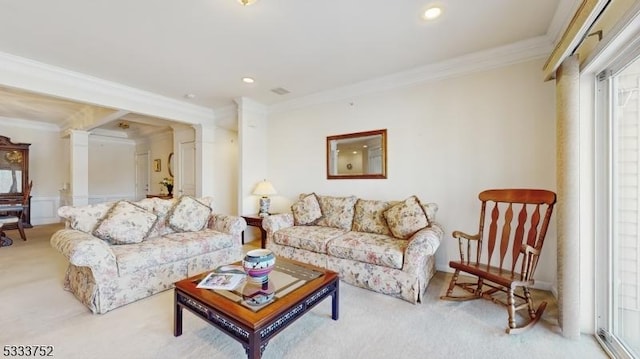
84, 250
423, 243
227, 224
273, 223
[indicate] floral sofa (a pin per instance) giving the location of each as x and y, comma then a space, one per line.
384, 246
120, 252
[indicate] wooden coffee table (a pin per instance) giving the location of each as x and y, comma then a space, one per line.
298, 288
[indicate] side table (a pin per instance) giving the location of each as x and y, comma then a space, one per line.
254, 220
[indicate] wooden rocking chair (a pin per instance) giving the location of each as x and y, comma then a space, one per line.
514, 264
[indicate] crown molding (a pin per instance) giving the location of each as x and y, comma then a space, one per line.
100, 135
522, 51
28, 124
27, 74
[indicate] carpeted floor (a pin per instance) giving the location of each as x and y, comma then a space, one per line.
35, 310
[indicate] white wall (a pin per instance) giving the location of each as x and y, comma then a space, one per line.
447, 141
111, 169
225, 181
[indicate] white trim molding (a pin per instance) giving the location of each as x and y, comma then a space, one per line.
522, 51
27, 74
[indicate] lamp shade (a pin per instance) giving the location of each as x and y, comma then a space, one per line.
264, 188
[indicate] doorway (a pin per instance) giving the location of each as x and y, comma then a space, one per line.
618, 240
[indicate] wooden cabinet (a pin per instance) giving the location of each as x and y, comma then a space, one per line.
14, 175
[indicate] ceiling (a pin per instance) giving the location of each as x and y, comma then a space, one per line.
204, 47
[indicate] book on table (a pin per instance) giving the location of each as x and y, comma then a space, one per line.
227, 281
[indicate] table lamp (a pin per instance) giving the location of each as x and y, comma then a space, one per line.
264, 189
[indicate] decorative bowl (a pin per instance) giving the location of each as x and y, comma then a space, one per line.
258, 263
258, 293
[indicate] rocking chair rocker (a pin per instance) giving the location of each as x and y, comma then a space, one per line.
514, 264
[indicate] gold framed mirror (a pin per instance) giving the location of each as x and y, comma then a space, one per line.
170, 164
360, 155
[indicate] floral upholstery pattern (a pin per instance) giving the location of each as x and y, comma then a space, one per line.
306, 211
406, 218
104, 276
85, 218
312, 238
430, 209
376, 249
161, 208
337, 212
276, 222
204, 241
227, 224
125, 223
362, 255
188, 215
369, 216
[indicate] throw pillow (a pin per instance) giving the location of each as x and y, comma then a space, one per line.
306, 211
337, 212
188, 215
369, 216
125, 223
85, 218
430, 209
406, 218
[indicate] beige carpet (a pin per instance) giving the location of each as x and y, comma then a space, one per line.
35, 310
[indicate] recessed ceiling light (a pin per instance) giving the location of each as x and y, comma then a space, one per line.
248, 80
432, 13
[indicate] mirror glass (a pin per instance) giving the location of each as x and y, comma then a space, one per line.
170, 164
11, 171
357, 155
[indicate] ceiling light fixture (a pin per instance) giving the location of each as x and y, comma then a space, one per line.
432, 13
246, 2
248, 80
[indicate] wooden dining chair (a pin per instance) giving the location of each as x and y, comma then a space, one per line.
13, 212
501, 261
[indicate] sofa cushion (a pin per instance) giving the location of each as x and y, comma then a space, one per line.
188, 215
369, 216
200, 242
370, 248
152, 252
406, 218
337, 212
125, 223
85, 218
306, 211
312, 238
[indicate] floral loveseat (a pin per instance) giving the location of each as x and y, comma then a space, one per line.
123, 251
384, 246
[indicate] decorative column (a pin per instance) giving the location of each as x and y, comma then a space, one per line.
205, 166
79, 166
252, 135
568, 183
